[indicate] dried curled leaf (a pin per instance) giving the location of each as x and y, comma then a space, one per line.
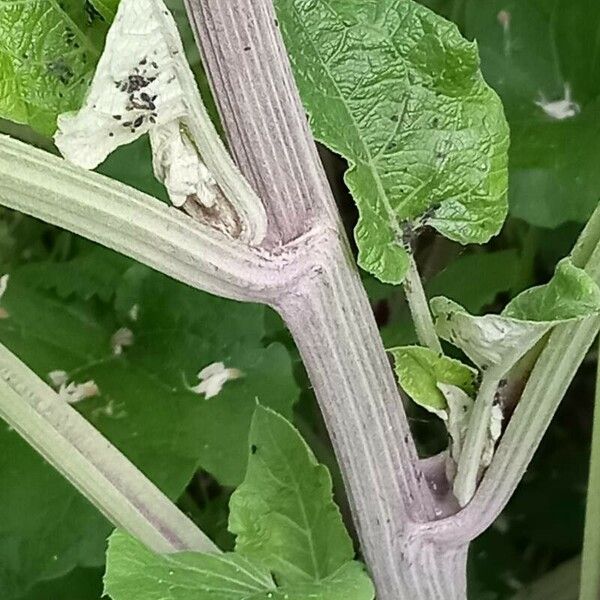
501, 340
143, 85
137, 85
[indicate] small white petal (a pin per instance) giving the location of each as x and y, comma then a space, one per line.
213, 378
75, 392
211, 370
58, 378
213, 385
3, 284
134, 312
560, 109
121, 339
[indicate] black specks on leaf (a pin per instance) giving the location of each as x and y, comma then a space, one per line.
91, 13
253, 449
60, 69
69, 35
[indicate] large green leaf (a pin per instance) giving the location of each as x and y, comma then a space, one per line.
397, 91
533, 52
144, 406
289, 532
48, 51
134, 573
283, 513
96, 272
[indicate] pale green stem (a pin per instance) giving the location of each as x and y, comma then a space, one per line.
419, 308
590, 564
469, 463
95, 467
554, 370
128, 221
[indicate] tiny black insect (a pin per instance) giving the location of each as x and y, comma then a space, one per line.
253, 449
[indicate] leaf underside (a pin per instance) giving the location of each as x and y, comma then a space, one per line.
501, 340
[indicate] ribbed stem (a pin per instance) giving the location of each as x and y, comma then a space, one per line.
70, 444
262, 113
337, 336
590, 562
551, 376
327, 310
119, 217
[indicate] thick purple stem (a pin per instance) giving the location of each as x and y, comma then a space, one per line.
325, 306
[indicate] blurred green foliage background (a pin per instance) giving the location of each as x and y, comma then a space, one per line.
67, 297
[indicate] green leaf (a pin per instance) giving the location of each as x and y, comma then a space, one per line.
421, 370
501, 340
570, 294
135, 573
107, 8
145, 406
97, 272
532, 53
397, 91
288, 528
48, 50
80, 584
283, 513
475, 280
